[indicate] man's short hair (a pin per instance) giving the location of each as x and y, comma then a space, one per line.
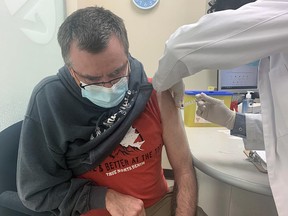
91, 28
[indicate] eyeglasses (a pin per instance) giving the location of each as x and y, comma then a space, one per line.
111, 82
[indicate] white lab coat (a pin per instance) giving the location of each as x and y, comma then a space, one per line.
230, 38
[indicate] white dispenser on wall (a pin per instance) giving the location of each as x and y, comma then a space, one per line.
247, 103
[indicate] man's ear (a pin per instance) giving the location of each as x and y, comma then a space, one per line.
72, 73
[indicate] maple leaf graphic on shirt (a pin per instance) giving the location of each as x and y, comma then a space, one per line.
128, 144
129, 139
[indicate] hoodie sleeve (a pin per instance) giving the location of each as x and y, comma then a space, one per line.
45, 183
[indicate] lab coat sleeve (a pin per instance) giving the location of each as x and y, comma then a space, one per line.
223, 40
254, 132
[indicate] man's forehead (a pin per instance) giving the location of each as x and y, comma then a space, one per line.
98, 64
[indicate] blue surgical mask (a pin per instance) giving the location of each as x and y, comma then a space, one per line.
106, 97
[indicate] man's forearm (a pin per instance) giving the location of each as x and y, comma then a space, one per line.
186, 194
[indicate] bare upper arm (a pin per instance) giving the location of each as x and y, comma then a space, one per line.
174, 135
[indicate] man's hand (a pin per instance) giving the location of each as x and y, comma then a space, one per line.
118, 204
177, 92
215, 111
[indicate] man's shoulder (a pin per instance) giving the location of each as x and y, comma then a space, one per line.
47, 83
51, 83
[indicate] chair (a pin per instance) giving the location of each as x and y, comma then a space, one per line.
10, 203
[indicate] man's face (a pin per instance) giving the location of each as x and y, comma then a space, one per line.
105, 66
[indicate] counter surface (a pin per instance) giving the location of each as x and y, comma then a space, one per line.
221, 156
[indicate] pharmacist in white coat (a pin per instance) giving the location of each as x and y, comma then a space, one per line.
230, 38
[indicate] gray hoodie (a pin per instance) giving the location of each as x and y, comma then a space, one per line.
56, 144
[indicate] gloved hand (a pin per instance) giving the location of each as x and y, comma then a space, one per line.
177, 92
215, 111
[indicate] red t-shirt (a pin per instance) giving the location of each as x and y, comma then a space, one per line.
134, 167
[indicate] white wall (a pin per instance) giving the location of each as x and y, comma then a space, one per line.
28, 51
149, 29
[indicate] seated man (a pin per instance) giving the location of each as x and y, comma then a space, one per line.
93, 134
